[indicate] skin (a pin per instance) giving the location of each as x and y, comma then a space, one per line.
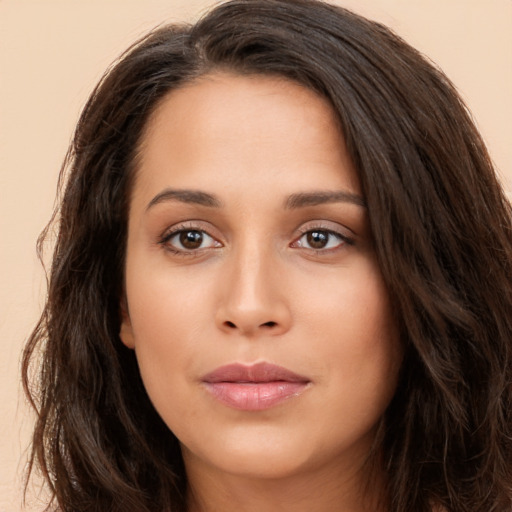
255, 289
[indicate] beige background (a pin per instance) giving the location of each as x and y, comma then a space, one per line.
51, 54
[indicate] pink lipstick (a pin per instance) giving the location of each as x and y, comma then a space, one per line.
255, 387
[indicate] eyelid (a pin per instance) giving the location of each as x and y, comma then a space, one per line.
325, 225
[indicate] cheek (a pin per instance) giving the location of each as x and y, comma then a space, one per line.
167, 316
351, 322
162, 301
357, 355
353, 304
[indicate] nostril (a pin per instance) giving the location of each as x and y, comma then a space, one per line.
267, 325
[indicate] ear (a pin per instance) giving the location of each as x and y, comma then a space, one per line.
126, 330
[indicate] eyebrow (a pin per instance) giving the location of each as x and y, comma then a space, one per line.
294, 201
185, 196
304, 199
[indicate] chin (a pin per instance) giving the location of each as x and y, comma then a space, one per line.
264, 453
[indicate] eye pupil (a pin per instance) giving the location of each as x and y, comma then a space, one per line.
191, 239
317, 239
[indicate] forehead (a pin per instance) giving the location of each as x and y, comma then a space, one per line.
225, 126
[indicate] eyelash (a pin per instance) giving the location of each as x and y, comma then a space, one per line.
169, 235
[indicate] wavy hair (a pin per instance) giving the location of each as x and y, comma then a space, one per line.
443, 237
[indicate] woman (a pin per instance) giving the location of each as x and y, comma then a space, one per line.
282, 279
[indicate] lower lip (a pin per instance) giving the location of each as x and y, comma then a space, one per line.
254, 396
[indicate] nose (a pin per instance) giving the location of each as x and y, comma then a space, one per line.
253, 298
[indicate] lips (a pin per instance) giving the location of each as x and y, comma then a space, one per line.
254, 387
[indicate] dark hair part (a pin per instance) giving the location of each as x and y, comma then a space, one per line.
443, 238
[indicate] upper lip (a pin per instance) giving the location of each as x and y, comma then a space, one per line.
259, 372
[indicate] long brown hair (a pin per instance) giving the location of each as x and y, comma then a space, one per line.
443, 237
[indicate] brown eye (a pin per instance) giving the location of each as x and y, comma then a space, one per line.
322, 240
317, 239
191, 239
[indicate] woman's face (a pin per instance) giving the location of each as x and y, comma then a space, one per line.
254, 301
